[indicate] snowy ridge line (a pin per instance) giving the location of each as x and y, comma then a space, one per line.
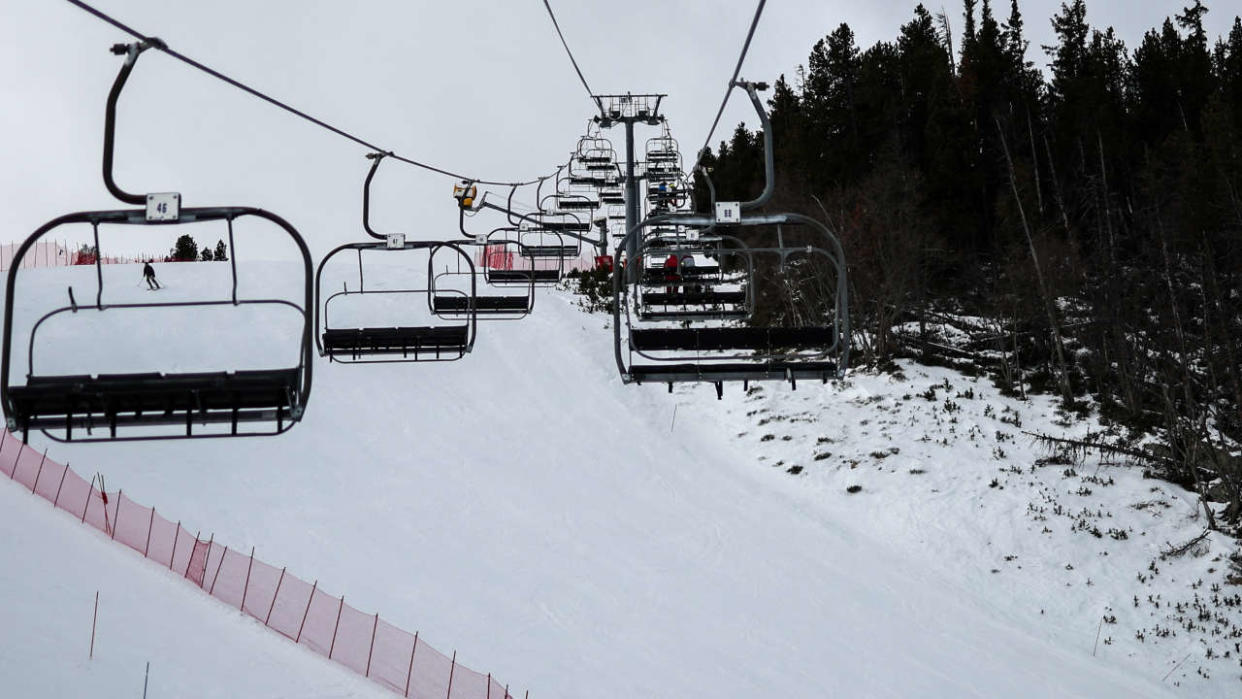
301, 612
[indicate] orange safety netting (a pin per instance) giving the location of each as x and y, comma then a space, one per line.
300, 611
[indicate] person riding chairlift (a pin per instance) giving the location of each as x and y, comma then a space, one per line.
670, 273
687, 270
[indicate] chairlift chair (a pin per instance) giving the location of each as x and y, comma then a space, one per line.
486, 305
509, 262
691, 291
357, 344
404, 340
157, 403
714, 351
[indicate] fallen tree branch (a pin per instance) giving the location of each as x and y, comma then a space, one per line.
1080, 445
1174, 551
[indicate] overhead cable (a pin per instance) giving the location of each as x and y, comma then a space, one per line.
732, 83
590, 92
160, 45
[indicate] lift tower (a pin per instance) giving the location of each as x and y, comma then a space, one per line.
629, 109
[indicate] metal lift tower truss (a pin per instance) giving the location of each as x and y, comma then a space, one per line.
629, 109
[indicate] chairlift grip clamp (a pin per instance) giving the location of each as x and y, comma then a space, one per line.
131, 51
749, 86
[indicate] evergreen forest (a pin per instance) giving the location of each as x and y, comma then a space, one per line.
1073, 227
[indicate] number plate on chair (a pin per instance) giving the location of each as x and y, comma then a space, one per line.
163, 206
396, 241
728, 212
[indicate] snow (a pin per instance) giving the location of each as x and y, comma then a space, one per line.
578, 537
197, 647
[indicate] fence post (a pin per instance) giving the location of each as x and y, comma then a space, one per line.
190, 558
115, 519
17, 461
150, 526
89, 492
94, 618
336, 628
40, 473
219, 565
489, 685
410, 672
308, 604
451, 669
56, 500
246, 588
374, 628
274, 596
176, 536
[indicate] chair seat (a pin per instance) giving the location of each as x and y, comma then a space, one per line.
697, 314
156, 394
702, 298
758, 339
733, 371
565, 226
406, 341
658, 276
522, 275
548, 251
482, 304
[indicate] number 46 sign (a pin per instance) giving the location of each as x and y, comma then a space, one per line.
163, 206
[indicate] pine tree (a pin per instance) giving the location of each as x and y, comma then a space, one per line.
222, 252
1196, 64
832, 76
185, 249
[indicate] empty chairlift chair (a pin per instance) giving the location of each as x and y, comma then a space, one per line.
522, 258
453, 273
158, 402
417, 331
413, 335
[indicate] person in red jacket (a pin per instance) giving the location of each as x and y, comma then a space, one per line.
670, 273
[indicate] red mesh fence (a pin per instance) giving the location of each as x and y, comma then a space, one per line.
301, 612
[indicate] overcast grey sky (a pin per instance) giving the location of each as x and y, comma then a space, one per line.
481, 87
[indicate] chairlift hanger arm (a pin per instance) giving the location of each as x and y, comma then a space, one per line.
131, 53
769, 157
366, 195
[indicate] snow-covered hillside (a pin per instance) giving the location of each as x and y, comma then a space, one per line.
580, 538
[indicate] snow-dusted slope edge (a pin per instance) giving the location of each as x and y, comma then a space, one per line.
577, 537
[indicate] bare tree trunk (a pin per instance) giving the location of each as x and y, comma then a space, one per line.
1056, 192
1108, 217
1190, 440
1066, 393
1039, 193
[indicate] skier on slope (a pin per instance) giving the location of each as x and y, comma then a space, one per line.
148, 273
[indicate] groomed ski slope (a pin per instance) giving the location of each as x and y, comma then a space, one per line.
568, 534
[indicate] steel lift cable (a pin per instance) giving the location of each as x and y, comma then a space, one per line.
163, 46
